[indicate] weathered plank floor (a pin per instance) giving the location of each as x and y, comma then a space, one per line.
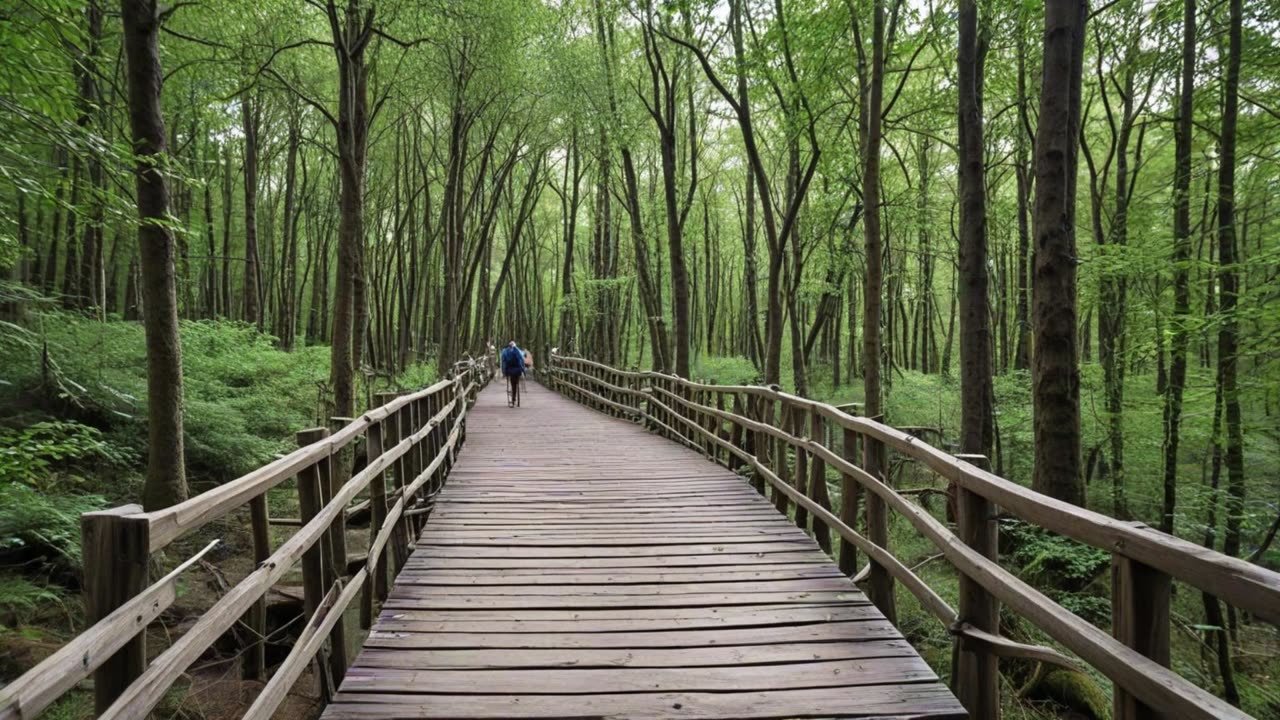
579, 567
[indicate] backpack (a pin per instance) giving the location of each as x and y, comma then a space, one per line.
512, 361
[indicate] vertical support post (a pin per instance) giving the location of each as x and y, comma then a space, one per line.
314, 581
738, 436
336, 567
1140, 619
818, 481
116, 551
393, 428
780, 468
255, 660
850, 493
760, 445
376, 582
714, 423
801, 469
977, 676
880, 584
408, 424
433, 441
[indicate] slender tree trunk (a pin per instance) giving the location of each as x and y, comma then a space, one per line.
872, 289
976, 431
166, 482
1022, 320
1181, 266
249, 122
1229, 284
352, 30
1055, 368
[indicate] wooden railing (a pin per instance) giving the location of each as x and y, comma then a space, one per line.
758, 427
411, 442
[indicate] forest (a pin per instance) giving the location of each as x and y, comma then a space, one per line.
1040, 229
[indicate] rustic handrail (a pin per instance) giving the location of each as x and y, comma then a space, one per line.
1144, 561
427, 426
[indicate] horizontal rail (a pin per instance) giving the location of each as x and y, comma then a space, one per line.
1148, 680
173, 522
1238, 582
123, 540
42, 685
143, 695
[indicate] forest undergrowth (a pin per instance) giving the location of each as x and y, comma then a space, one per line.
1072, 574
73, 440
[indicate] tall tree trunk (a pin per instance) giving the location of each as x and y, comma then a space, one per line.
976, 431
751, 283
249, 121
1229, 284
1055, 368
352, 32
872, 288
1181, 265
166, 481
1022, 320
289, 253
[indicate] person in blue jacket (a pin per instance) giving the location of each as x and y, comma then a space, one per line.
512, 363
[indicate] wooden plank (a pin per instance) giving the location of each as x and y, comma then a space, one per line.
592, 681
449, 550
730, 559
824, 632
635, 620
923, 701
411, 582
635, 657
469, 578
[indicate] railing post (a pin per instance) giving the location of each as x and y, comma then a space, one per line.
255, 661
738, 436
799, 429
880, 583
818, 481
408, 424
976, 676
376, 582
393, 428
1140, 597
433, 440
850, 493
760, 445
336, 565
314, 582
116, 553
780, 467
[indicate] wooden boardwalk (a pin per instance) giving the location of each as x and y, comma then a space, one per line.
579, 567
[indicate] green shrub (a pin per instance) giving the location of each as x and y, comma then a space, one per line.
244, 398
40, 527
34, 453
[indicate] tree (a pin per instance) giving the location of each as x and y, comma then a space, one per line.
1181, 270
166, 481
976, 431
1055, 364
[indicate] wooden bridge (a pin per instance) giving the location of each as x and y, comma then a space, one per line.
576, 565
664, 551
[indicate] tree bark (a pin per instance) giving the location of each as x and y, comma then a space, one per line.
249, 122
1181, 266
1229, 288
976, 431
1055, 368
166, 482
